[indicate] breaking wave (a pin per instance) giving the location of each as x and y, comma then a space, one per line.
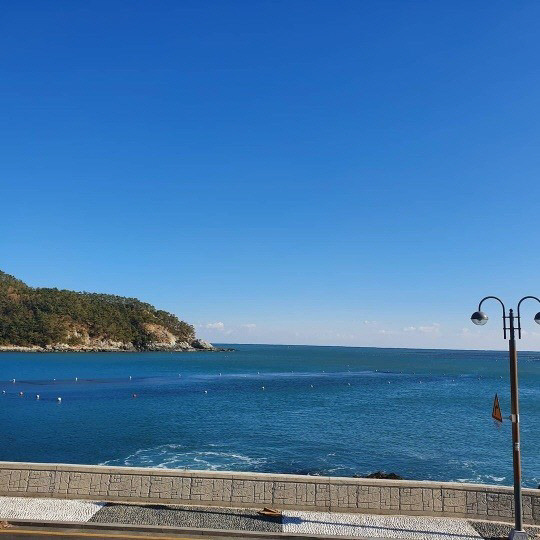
176, 456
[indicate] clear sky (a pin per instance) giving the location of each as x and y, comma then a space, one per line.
349, 173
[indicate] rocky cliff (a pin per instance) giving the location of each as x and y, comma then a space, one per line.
43, 319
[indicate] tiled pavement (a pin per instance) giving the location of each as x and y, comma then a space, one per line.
48, 509
366, 525
300, 522
201, 517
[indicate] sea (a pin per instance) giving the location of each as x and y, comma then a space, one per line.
338, 411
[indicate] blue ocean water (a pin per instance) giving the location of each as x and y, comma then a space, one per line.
424, 414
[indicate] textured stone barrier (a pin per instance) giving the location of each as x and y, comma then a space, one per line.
232, 489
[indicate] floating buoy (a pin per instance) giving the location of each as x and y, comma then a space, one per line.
130, 377
59, 399
37, 396
13, 380
262, 387
3, 391
206, 391
21, 393
134, 395
76, 378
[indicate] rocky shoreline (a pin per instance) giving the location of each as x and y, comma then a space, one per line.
196, 345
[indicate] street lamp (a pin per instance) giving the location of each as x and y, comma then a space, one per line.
480, 318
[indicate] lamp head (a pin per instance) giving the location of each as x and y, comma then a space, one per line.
537, 318
480, 318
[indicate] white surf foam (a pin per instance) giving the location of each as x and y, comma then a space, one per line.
176, 456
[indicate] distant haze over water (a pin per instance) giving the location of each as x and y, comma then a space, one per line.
424, 414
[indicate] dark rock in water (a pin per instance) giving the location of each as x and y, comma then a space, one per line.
380, 475
202, 345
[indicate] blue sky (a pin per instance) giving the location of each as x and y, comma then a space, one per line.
350, 173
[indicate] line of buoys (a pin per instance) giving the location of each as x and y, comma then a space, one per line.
59, 399
38, 396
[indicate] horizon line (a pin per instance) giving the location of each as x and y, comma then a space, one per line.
371, 347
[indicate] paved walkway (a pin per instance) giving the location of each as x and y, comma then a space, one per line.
298, 522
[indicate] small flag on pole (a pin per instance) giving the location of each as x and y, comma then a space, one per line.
496, 413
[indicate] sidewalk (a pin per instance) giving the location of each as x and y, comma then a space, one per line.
193, 518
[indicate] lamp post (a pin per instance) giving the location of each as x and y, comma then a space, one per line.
511, 323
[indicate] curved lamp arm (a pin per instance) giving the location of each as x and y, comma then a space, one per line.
503, 309
518, 313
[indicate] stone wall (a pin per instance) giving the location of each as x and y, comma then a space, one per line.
231, 489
